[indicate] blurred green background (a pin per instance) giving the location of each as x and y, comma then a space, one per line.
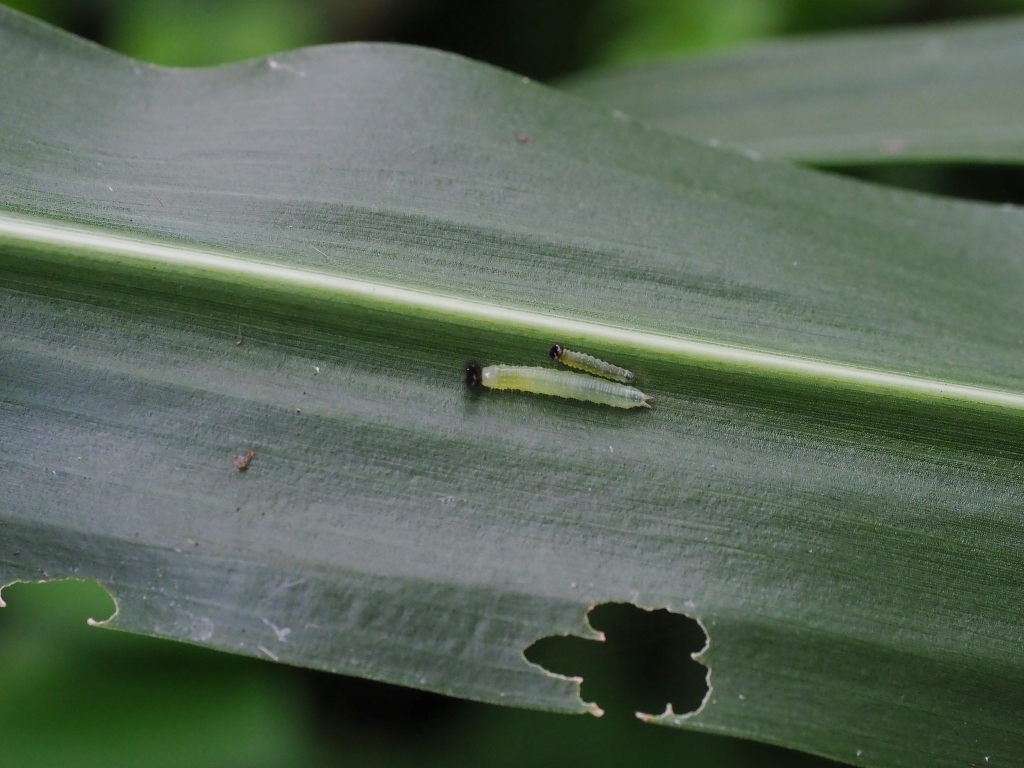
72, 695
543, 39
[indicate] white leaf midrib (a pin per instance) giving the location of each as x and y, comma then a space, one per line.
102, 245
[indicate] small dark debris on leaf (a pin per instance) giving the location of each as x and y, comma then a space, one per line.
239, 342
523, 138
243, 460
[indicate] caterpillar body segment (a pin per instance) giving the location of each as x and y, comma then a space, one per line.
581, 361
546, 381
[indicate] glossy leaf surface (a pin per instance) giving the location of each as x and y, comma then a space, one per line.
296, 256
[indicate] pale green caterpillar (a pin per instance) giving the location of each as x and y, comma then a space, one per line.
547, 381
584, 362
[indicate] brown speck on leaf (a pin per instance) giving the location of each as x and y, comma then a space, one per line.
239, 342
523, 138
894, 146
243, 460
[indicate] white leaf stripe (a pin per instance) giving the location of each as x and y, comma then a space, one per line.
106, 246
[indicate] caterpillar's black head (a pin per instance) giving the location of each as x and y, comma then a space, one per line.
474, 375
556, 351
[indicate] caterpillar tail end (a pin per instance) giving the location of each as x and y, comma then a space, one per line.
647, 400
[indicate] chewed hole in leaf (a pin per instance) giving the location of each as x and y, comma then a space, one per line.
644, 663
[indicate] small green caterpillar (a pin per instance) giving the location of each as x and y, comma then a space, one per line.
546, 381
584, 362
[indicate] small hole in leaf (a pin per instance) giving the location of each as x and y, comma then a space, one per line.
643, 664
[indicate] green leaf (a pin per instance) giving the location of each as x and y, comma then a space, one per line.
295, 256
948, 93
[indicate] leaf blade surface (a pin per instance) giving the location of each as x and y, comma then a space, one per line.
831, 536
946, 93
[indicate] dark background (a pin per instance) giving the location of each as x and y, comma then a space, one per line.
543, 39
75, 696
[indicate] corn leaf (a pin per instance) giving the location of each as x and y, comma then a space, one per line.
948, 93
295, 256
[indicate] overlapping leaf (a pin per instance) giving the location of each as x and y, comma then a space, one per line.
948, 93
